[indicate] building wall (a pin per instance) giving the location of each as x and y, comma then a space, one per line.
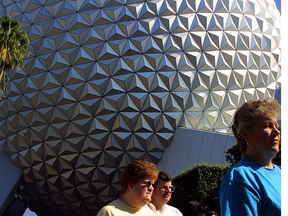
190, 147
10, 177
110, 81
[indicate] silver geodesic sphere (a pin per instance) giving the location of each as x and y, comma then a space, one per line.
108, 82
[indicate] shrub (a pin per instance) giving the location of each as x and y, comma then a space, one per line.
200, 183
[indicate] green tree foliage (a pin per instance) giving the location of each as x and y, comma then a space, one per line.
233, 154
200, 183
13, 47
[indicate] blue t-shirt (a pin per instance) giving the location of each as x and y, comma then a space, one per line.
250, 189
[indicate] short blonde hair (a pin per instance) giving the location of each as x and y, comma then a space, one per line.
245, 115
136, 170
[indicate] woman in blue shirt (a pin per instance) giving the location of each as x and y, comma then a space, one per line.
253, 185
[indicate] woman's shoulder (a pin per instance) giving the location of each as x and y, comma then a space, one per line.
173, 209
248, 171
242, 169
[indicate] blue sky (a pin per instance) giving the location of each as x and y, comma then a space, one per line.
278, 4
30, 213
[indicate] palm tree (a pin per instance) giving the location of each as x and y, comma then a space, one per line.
13, 47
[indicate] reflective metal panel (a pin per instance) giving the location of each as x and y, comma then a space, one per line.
109, 81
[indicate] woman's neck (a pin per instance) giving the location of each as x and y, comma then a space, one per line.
159, 204
160, 208
261, 160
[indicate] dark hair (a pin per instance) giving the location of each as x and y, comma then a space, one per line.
136, 170
164, 176
211, 213
194, 207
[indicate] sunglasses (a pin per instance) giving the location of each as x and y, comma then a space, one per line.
148, 183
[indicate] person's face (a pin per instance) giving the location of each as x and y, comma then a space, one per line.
264, 136
162, 191
142, 191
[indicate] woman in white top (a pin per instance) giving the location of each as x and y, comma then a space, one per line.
163, 190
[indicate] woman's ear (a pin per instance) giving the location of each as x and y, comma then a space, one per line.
130, 186
244, 135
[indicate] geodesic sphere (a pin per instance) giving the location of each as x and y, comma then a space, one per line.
108, 82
